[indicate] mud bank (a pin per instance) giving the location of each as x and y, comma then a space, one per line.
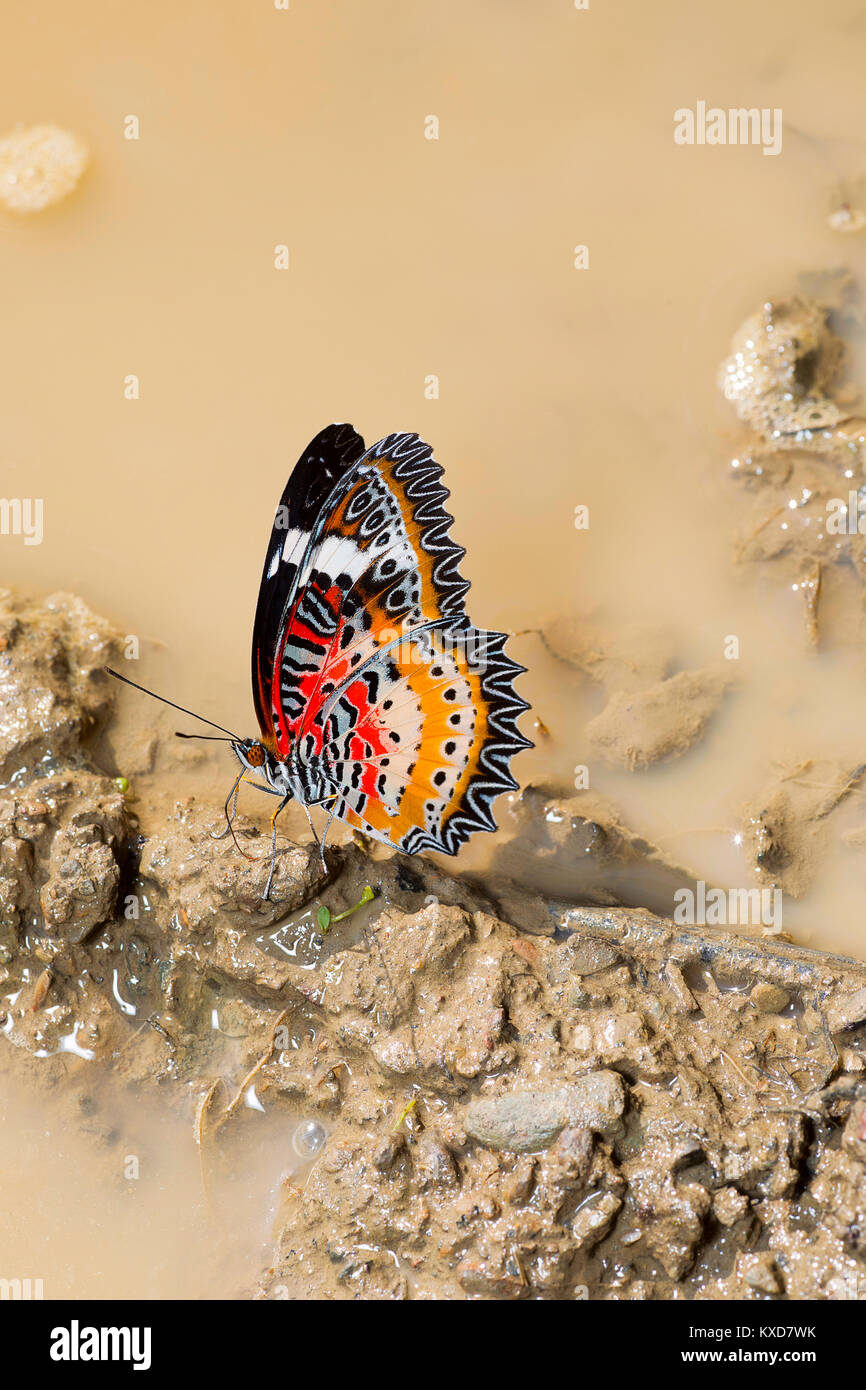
505, 1091
801, 458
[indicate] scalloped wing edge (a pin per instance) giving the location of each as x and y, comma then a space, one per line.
493, 774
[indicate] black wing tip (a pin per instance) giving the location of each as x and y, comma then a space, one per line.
339, 438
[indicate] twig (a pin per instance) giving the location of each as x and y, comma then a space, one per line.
740, 1073
250, 1076
199, 1132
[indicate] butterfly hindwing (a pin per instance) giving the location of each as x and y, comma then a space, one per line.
421, 762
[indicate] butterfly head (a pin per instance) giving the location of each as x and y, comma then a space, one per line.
256, 758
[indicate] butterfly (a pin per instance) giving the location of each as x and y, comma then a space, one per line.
377, 699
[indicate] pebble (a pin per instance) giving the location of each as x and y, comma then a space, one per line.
854, 1133
770, 999
575, 1148
760, 1272
844, 1013
432, 1161
589, 956
594, 1218
729, 1205
680, 990
386, 1151
526, 1121
517, 1185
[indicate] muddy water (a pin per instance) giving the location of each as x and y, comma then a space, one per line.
111, 1203
453, 258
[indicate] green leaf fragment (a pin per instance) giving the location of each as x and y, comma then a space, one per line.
366, 897
404, 1112
326, 919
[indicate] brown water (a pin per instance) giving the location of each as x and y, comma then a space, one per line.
411, 257
114, 1204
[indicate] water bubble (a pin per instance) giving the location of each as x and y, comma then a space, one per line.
847, 219
308, 1138
39, 166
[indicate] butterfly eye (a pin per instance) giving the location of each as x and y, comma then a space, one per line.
255, 755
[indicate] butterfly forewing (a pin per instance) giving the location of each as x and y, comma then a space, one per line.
324, 462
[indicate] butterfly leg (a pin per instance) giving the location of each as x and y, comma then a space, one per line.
260, 786
324, 838
310, 822
283, 804
233, 798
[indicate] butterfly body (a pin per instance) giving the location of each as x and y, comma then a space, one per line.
375, 694
287, 778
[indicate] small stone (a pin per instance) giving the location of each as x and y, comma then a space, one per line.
770, 999
16, 855
575, 1145
847, 1012
760, 1272
729, 1205
431, 1160
526, 1121
854, 1133
682, 994
588, 956
517, 1185
594, 1218
386, 1152
623, 1032
396, 1054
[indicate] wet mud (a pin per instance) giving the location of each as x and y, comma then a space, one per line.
514, 1086
801, 462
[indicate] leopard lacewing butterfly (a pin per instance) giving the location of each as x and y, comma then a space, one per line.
376, 697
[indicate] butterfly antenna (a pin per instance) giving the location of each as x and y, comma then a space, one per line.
214, 738
152, 693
